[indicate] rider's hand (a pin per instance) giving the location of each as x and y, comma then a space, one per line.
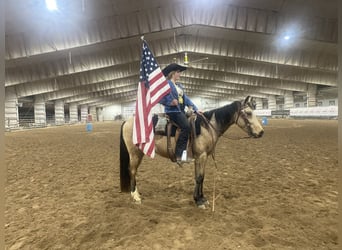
174, 102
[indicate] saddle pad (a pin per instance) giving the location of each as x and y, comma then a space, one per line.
155, 118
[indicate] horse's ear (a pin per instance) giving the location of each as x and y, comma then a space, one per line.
246, 100
253, 103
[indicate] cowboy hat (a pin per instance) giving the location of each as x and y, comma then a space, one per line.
173, 67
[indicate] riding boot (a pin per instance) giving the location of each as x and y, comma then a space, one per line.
181, 144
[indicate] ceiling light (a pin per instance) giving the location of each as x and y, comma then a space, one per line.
51, 5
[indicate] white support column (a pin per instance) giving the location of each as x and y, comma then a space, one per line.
92, 111
84, 113
272, 102
311, 95
99, 114
258, 102
11, 108
73, 113
39, 111
288, 100
59, 112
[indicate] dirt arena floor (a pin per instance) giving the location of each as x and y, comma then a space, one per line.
276, 192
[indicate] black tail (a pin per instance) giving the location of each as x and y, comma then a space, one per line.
125, 178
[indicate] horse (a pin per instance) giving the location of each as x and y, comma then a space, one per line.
213, 124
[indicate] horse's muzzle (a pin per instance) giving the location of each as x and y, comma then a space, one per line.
258, 135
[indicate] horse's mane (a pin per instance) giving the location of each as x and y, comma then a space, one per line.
223, 115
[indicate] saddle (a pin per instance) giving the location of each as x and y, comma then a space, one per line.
164, 126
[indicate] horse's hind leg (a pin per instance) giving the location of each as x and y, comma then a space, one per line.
130, 159
134, 163
199, 198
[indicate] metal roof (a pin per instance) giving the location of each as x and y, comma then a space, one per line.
88, 52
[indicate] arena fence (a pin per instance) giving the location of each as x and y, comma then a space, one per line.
29, 123
329, 112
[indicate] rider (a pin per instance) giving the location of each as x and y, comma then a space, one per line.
175, 103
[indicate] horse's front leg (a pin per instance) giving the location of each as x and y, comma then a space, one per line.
199, 198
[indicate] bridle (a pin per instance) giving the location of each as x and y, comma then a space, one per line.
243, 115
219, 133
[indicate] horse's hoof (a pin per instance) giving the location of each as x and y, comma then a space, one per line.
202, 206
202, 203
136, 196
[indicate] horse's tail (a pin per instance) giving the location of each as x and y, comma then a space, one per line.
125, 178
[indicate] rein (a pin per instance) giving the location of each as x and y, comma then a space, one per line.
237, 138
242, 114
209, 124
219, 132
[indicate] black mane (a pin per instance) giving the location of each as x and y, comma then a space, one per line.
224, 116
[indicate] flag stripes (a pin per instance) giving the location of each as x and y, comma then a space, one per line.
151, 88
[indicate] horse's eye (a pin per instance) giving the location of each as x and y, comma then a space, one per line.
249, 113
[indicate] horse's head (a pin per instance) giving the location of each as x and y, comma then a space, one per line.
247, 120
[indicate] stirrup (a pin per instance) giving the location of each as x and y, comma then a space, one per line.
187, 161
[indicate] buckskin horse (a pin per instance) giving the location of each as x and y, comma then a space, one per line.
212, 124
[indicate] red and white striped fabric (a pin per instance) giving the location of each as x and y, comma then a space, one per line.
151, 88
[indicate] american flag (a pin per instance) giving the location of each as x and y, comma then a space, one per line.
151, 88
